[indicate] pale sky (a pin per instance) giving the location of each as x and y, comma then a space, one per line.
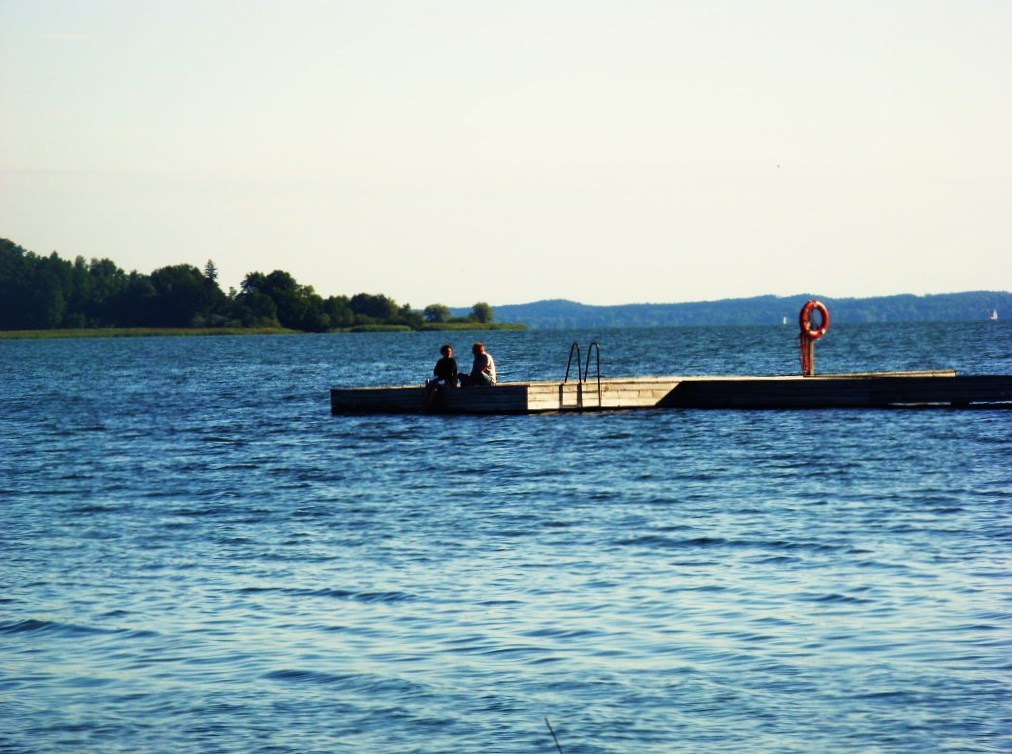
451, 151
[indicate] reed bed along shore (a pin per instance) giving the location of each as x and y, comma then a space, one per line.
139, 332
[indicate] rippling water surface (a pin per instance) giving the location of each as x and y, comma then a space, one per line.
198, 557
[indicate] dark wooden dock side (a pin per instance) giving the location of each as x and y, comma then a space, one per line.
844, 391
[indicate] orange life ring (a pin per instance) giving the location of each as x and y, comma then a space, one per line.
806, 319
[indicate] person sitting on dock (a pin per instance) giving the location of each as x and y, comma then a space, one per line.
482, 368
446, 368
445, 373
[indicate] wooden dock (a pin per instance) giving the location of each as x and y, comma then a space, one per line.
863, 390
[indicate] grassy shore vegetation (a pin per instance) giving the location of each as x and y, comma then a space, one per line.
43, 294
139, 332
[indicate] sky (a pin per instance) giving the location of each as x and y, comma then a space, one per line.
508, 151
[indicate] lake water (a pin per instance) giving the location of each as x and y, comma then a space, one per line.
198, 557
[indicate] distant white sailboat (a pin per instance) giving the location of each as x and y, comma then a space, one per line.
785, 321
994, 315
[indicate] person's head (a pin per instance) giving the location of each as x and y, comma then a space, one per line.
478, 348
446, 350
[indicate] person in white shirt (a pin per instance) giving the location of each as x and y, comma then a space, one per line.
482, 368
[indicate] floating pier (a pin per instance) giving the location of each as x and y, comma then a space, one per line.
863, 390
938, 388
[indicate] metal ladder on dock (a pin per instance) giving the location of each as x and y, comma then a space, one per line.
574, 395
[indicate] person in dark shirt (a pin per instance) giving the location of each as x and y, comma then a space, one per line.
446, 368
445, 373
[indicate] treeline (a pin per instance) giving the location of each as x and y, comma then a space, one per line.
47, 292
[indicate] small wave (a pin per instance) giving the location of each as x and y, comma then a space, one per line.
887, 695
833, 598
24, 626
367, 683
116, 613
85, 509
775, 560
779, 547
259, 589
558, 524
33, 625
333, 593
193, 512
560, 633
780, 544
307, 676
370, 597
222, 440
656, 540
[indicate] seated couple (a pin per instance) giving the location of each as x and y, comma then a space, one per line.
482, 368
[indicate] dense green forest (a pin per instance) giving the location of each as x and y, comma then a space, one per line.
47, 292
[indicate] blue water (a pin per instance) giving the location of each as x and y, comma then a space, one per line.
198, 557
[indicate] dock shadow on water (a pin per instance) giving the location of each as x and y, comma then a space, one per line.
199, 557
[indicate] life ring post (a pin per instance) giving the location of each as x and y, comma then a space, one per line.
810, 333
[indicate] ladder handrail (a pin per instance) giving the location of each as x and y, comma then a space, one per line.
583, 371
574, 347
594, 346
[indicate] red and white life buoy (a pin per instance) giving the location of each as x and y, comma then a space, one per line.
814, 333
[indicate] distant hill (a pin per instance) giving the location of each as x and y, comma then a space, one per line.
759, 310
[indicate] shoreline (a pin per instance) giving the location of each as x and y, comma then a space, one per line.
140, 332
145, 332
